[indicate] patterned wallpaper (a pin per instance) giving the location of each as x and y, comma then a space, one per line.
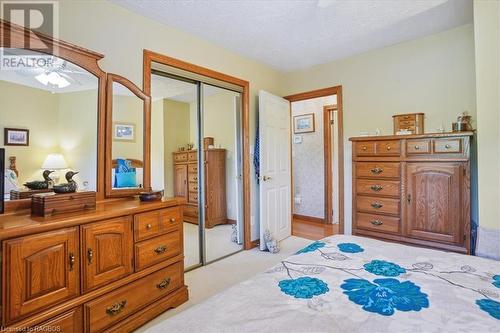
307, 160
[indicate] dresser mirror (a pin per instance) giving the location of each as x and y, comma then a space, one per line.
49, 121
128, 143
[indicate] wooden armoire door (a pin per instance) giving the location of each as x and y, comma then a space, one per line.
40, 270
107, 249
180, 180
434, 201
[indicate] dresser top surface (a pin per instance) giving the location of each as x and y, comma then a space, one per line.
411, 136
22, 223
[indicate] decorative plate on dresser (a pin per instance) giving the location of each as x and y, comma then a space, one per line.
413, 189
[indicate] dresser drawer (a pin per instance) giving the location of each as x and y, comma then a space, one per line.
415, 147
193, 177
406, 123
447, 146
180, 157
191, 211
193, 197
378, 169
151, 224
378, 187
377, 222
193, 187
106, 310
388, 148
365, 148
153, 251
68, 322
378, 205
192, 156
193, 168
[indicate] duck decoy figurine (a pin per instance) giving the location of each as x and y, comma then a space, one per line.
40, 184
69, 187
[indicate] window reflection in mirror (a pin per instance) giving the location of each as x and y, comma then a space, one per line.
49, 121
128, 139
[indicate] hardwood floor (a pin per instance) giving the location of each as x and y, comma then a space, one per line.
313, 230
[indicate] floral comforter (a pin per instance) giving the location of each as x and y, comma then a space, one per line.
354, 284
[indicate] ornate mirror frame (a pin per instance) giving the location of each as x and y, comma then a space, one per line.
110, 192
14, 36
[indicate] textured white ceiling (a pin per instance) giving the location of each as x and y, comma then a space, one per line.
289, 35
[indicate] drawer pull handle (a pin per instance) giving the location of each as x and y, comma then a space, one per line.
71, 261
377, 205
365, 147
148, 226
195, 178
90, 255
377, 170
447, 146
376, 222
163, 284
116, 308
195, 188
161, 249
417, 147
172, 220
389, 147
376, 188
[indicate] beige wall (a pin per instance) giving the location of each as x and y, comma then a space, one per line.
176, 129
122, 35
434, 75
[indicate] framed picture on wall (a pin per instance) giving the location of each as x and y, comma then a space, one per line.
124, 132
16, 137
303, 123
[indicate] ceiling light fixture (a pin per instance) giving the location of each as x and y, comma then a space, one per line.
53, 79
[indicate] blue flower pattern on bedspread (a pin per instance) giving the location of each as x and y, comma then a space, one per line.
384, 296
384, 268
350, 248
496, 281
303, 287
490, 306
311, 247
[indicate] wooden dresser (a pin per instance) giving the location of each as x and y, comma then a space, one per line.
108, 270
186, 185
413, 189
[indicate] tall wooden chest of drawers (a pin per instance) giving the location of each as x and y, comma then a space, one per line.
413, 189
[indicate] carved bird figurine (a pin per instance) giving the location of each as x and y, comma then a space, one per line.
40, 184
69, 187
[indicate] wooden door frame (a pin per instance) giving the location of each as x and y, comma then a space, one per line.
149, 57
336, 90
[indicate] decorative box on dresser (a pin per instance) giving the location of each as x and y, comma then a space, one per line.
186, 185
413, 189
106, 270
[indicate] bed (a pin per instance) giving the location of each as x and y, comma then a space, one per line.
354, 284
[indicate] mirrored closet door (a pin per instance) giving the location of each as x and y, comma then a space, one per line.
195, 154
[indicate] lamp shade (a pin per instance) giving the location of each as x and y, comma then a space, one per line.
54, 162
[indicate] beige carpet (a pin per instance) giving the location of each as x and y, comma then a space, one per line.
206, 281
218, 241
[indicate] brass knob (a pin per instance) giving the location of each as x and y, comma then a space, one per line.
163, 284
148, 226
365, 147
172, 220
116, 308
417, 147
376, 222
388, 147
447, 146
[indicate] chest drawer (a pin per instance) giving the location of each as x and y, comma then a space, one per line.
415, 147
106, 310
153, 251
192, 168
378, 187
365, 148
193, 177
193, 197
151, 224
180, 157
192, 156
193, 187
191, 211
379, 223
378, 205
388, 148
447, 146
378, 169
68, 322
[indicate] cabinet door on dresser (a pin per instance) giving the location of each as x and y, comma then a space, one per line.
180, 180
107, 248
40, 270
434, 201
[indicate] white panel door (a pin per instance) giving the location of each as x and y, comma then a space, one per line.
275, 177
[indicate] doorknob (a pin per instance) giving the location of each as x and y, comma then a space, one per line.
266, 178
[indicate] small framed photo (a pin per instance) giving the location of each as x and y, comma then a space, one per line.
303, 123
124, 132
16, 137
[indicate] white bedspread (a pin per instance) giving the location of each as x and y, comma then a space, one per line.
355, 284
